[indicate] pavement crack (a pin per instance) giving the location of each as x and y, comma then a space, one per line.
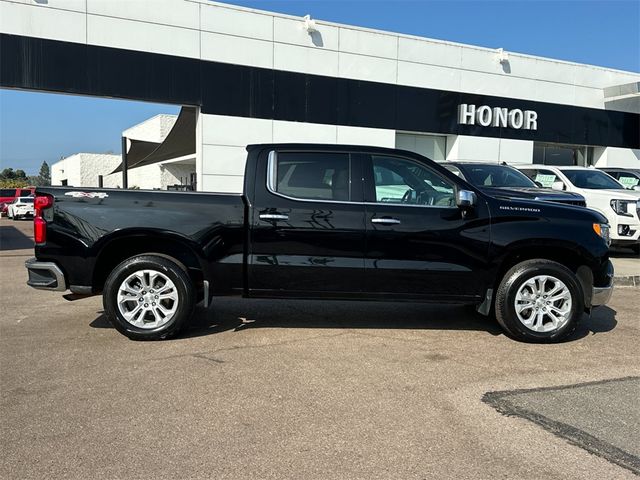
207, 355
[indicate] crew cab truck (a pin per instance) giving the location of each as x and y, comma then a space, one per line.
324, 222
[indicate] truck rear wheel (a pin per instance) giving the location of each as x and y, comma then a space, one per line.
539, 301
147, 297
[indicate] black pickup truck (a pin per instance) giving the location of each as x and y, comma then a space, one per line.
324, 222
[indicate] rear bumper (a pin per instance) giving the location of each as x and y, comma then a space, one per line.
602, 295
45, 275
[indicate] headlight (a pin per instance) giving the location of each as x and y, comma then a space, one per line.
621, 207
602, 230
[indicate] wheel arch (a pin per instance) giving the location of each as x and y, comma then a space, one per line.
566, 255
121, 246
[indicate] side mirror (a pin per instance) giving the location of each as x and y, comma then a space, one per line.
636, 187
557, 186
466, 199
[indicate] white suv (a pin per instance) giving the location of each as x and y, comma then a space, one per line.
602, 193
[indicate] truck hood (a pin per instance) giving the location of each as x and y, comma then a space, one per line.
533, 194
621, 194
551, 210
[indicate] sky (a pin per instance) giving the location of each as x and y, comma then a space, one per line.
37, 126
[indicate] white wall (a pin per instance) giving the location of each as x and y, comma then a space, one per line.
468, 148
226, 33
66, 169
82, 169
617, 157
224, 140
154, 129
155, 176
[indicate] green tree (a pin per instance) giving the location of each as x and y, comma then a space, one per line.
7, 174
44, 177
10, 178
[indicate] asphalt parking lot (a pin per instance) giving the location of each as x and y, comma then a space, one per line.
298, 389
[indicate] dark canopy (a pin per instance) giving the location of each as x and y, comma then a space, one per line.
181, 141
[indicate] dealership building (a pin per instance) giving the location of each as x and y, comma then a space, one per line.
245, 76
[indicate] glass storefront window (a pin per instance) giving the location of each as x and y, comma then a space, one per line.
562, 155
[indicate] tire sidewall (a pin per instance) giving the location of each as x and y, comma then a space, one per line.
177, 275
515, 281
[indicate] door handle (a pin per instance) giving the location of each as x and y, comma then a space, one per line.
274, 216
385, 221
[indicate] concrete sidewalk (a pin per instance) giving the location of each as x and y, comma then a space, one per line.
626, 267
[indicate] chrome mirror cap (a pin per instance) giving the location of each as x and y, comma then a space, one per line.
466, 198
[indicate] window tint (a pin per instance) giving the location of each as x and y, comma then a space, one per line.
591, 179
496, 176
25, 200
25, 193
314, 176
8, 192
402, 181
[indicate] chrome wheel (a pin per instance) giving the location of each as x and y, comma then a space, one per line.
543, 303
147, 299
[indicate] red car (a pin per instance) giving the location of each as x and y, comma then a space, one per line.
8, 195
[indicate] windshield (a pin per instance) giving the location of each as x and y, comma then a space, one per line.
591, 179
25, 200
496, 176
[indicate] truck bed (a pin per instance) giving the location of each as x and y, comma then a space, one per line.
84, 222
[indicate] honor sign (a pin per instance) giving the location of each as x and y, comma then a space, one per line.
487, 116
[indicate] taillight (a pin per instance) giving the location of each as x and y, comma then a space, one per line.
39, 230
40, 203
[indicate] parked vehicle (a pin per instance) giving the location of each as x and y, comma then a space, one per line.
21, 207
325, 222
8, 195
628, 177
501, 180
602, 192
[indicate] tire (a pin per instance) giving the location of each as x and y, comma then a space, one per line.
9, 216
148, 279
528, 284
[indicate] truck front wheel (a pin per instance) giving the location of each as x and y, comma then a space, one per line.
539, 301
147, 297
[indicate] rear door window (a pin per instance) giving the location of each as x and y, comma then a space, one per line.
312, 176
8, 192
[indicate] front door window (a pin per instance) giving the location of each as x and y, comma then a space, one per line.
402, 181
